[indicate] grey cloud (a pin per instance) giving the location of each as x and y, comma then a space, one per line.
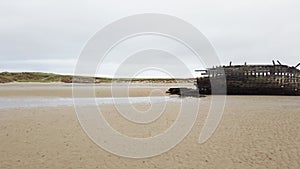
252, 30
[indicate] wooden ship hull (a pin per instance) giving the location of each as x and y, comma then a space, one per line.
250, 80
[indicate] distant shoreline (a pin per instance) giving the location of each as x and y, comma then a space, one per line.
51, 78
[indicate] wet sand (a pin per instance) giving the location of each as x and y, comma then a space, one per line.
101, 90
255, 132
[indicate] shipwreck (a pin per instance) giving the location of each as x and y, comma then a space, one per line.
273, 79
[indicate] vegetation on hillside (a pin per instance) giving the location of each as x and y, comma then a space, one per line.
7, 77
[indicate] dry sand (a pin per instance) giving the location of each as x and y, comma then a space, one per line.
255, 132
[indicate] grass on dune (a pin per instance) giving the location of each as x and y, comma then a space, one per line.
7, 77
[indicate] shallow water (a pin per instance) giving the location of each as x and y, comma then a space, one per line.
83, 86
6, 103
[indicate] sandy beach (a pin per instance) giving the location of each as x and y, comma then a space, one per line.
101, 90
255, 132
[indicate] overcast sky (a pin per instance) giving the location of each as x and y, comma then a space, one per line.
48, 35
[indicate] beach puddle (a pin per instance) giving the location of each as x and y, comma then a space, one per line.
7, 103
